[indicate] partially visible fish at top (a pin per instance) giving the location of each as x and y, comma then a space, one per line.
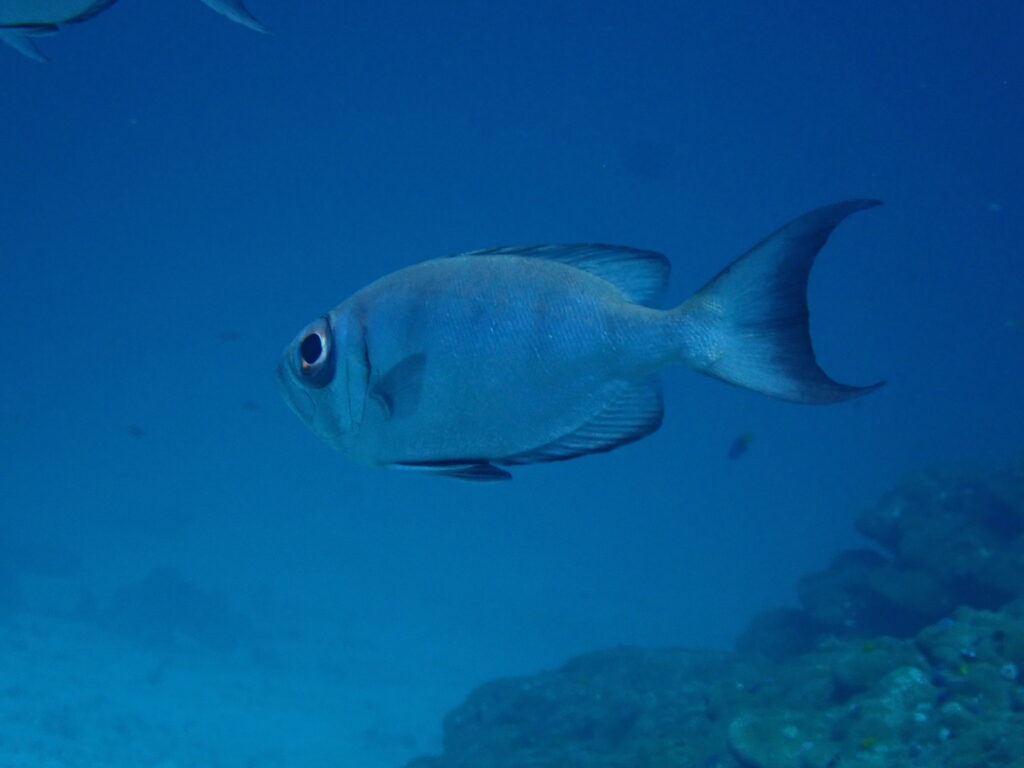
464, 365
23, 20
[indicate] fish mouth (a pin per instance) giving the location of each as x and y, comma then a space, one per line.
298, 399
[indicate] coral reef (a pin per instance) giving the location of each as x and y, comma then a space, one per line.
907, 658
621, 707
951, 537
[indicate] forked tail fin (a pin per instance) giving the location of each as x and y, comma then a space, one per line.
749, 325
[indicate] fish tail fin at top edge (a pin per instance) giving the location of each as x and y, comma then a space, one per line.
236, 11
749, 325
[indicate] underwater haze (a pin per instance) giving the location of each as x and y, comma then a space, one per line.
189, 577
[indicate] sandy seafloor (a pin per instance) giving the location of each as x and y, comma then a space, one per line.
73, 694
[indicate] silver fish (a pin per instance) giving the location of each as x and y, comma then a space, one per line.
22, 20
466, 364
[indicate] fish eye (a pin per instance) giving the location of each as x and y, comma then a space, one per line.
312, 349
316, 363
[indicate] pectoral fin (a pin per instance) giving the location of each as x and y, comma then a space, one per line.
398, 391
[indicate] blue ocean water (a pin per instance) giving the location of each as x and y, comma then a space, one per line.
180, 195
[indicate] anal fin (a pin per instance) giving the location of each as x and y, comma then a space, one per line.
633, 410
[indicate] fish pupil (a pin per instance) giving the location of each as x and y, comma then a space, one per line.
312, 349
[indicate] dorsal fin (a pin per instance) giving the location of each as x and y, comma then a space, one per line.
634, 410
641, 275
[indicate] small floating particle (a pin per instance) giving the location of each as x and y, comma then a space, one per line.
740, 444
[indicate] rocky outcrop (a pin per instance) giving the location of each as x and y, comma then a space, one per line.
903, 657
951, 696
947, 537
